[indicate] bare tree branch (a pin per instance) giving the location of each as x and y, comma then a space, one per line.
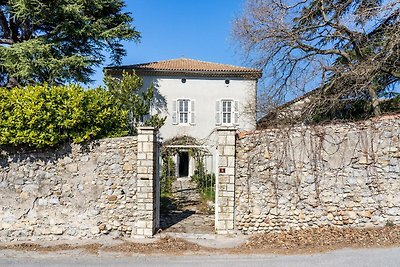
350, 49
6, 41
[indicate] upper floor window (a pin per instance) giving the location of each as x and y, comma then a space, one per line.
227, 112
183, 111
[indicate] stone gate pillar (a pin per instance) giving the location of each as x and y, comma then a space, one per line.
146, 181
225, 191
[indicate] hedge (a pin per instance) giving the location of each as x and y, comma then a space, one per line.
43, 115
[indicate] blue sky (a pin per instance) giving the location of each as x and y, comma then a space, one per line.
182, 28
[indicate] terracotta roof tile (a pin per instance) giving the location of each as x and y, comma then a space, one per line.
191, 66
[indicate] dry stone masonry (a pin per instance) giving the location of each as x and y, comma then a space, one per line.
77, 191
345, 175
339, 174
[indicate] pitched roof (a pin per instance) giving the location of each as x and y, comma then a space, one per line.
188, 66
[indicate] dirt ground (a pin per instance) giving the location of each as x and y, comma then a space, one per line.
292, 242
323, 239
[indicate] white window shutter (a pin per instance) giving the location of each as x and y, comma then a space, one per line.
236, 113
218, 112
192, 112
174, 112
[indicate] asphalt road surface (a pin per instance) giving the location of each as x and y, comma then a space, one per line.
348, 257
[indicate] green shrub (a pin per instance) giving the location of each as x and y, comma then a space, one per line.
389, 223
42, 115
391, 105
204, 180
167, 176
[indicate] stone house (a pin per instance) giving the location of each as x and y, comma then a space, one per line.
287, 113
197, 97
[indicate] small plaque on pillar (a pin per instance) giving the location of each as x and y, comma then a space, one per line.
221, 170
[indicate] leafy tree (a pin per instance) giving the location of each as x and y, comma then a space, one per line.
58, 41
350, 50
138, 101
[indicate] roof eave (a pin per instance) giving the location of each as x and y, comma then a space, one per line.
256, 74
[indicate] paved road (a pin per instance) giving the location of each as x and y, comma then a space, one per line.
349, 257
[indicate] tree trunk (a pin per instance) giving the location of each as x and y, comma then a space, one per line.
12, 82
374, 100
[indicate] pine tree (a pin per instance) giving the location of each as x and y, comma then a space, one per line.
59, 41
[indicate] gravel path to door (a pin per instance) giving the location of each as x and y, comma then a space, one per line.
188, 214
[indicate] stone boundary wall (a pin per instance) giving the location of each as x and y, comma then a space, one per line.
73, 192
345, 174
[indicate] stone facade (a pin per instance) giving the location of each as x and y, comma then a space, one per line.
76, 191
338, 174
225, 193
